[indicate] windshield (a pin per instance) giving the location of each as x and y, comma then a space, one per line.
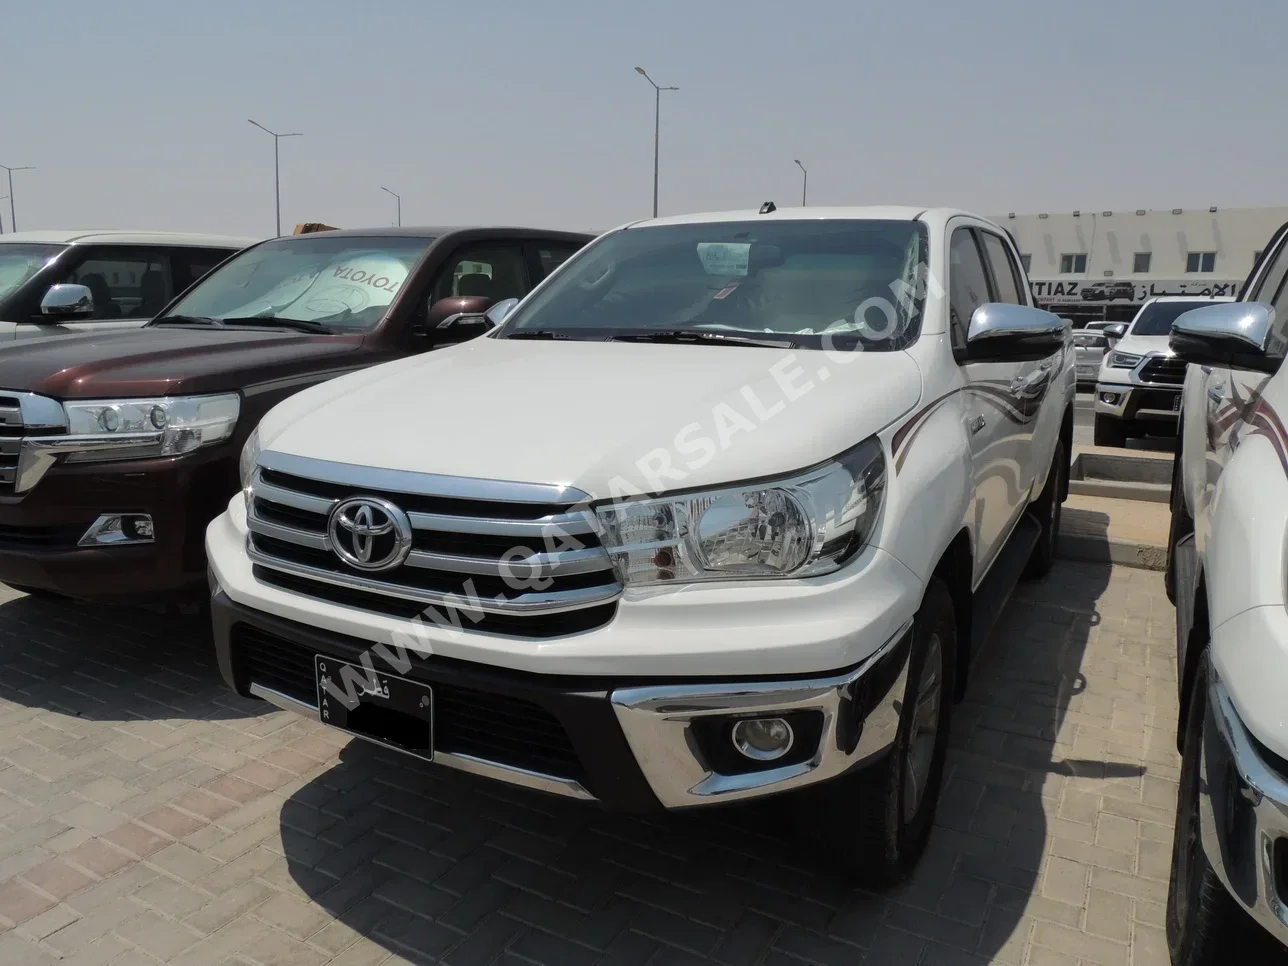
823, 283
1157, 317
19, 262
343, 283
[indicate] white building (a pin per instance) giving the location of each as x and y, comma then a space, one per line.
1101, 264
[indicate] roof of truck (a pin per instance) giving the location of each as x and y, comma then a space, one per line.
119, 237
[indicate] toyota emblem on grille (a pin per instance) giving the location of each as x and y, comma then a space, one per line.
369, 533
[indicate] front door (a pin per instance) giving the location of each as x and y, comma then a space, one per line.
129, 284
994, 425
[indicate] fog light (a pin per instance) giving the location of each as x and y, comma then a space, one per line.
1109, 397
762, 739
117, 529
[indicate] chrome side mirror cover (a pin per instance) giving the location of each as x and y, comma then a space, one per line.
67, 300
1005, 332
499, 312
1237, 334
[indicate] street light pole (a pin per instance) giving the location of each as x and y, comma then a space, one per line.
277, 178
13, 220
804, 181
397, 198
657, 124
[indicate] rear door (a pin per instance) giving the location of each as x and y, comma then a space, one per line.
129, 283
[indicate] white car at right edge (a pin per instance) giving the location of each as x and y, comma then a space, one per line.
1228, 576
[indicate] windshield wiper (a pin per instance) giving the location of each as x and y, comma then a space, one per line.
186, 320
702, 336
272, 321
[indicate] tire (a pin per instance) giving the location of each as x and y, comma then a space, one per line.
1204, 923
1046, 508
864, 823
1110, 431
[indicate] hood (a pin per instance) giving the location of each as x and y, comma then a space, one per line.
611, 419
164, 360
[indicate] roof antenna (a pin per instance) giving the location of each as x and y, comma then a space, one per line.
768, 207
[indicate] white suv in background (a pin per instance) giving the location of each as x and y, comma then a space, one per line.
57, 282
721, 510
1139, 386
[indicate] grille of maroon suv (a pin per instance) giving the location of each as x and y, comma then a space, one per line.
526, 569
494, 727
12, 431
1164, 370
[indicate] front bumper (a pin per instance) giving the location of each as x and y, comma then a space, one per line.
632, 744
1243, 813
1138, 401
40, 529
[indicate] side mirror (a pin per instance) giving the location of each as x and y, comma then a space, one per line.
1003, 332
67, 301
454, 310
1240, 335
1113, 333
501, 311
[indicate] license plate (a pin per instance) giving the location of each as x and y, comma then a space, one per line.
383, 708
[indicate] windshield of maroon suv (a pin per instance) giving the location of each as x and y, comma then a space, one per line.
316, 283
1157, 318
820, 283
18, 262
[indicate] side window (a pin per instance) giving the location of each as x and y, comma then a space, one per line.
126, 283
553, 255
190, 264
495, 271
967, 283
1005, 279
1273, 290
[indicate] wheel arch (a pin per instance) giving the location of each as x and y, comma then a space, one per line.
955, 568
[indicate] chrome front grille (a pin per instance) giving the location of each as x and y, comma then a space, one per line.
518, 559
1161, 369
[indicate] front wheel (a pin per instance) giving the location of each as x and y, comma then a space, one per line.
1109, 431
875, 824
1204, 923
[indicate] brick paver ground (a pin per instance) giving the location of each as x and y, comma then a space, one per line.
149, 816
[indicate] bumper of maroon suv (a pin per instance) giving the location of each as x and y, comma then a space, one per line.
43, 532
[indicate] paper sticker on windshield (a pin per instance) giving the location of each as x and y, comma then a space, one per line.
724, 258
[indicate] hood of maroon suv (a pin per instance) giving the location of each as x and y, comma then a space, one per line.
167, 360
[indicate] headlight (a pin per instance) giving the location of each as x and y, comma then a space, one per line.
249, 458
1124, 360
141, 428
800, 526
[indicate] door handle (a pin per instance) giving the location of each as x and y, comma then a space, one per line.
1034, 379
976, 425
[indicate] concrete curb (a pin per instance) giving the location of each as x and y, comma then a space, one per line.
1103, 549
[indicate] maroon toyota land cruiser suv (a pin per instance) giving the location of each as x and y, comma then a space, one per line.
116, 449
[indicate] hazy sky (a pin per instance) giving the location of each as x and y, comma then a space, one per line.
135, 114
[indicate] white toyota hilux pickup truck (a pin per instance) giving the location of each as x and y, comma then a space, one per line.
721, 510
1228, 576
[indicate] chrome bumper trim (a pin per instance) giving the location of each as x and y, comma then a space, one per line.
1265, 794
657, 719
467, 763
